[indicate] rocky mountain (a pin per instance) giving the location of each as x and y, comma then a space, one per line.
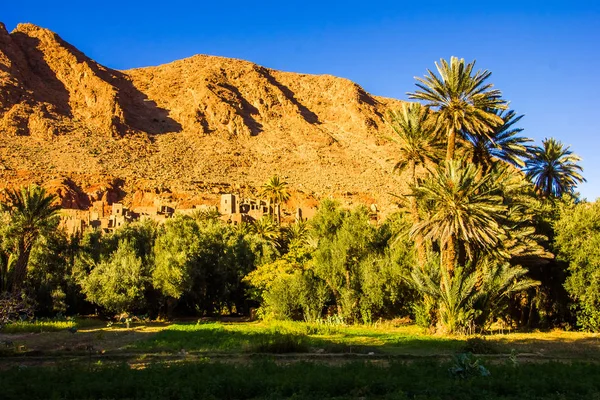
187, 130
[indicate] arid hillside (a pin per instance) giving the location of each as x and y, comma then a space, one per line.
189, 129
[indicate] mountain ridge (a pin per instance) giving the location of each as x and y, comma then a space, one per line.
191, 128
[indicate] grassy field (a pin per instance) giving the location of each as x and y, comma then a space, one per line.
53, 338
268, 380
88, 359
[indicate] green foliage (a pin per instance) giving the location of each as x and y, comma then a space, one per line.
499, 282
466, 366
462, 98
50, 273
554, 169
471, 298
578, 243
455, 296
118, 284
268, 230
32, 214
502, 143
203, 263
463, 207
418, 141
344, 252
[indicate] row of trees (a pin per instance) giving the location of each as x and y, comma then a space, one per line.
476, 211
338, 264
481, 220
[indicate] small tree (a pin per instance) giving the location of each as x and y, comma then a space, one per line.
118, 283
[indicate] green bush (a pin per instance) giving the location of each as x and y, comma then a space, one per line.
578, 243
118, 284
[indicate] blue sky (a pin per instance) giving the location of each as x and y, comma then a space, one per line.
542, 54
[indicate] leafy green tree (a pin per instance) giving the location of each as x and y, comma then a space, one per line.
140, 234
553, 169
51, 278
578, 243
349, 244
288, 288
202, 263
464, 208
118, 283
463, 101
32, 214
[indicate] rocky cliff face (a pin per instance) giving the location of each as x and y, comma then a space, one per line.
202, 124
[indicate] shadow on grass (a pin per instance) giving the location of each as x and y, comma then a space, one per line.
250, 338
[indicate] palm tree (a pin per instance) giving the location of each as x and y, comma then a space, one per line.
499, 282
503, 143
267, 229
464, 102
275, 190
553, 168
464, 209
32, 214
455, 295
419, 145
297, 233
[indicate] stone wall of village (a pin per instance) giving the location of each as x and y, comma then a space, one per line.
234, 209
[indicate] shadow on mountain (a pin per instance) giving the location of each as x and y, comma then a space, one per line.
307, 114
248, 110
48, 88
139, 112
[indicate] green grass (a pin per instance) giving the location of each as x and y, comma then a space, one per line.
40, 326
268, 380
297, 337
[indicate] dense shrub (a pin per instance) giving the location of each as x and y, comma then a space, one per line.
578, 243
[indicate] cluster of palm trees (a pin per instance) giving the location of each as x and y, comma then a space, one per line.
469, 207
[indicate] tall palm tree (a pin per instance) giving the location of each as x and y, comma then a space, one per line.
418, 145
418, 142
275, 190
553, 168
464, 209
32, 214
463, 101
502, 143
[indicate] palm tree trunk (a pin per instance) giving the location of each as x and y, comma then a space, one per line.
20, 271
451, 144
416, 219
451, 255
278, 213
